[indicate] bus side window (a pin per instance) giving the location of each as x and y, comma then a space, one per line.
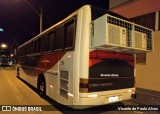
19, 52
24, 50
35, 46
58, 44
44, 43
39, 45
70, 34
51, 37
30, 48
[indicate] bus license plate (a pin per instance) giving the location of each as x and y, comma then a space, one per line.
113, 99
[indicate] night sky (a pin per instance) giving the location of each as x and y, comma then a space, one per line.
21, 23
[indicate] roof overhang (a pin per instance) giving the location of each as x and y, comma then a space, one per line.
136, 8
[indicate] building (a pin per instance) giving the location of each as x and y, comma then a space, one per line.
145, 13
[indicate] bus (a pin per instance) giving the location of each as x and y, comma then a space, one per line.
85, 60
5, 60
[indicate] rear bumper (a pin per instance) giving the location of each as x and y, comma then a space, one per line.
103, 98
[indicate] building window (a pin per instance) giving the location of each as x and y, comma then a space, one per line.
159, 21
141, 58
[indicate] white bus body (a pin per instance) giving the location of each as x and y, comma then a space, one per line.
85, 69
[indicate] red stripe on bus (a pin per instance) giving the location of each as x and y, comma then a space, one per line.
97, 56
46, 62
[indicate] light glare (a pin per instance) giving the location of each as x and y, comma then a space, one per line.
3, 45
69, 94
1, 30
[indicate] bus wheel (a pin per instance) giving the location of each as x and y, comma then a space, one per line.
17, 72
41, 87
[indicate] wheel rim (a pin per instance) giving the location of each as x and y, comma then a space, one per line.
41, 88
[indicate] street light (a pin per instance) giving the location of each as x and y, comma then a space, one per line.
1, 30
11, 55
39, 14
4, 46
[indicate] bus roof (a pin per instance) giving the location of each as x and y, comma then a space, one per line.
53, 26
70, 16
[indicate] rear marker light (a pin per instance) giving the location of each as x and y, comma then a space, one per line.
92, 95
131, 90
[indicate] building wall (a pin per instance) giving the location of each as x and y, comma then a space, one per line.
148, 75
147, 20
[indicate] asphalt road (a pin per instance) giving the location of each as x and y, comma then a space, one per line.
14, 92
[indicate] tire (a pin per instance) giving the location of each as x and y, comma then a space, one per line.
41, 87
17, 72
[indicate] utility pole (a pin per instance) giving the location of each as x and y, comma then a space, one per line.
41, 19
39, 14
